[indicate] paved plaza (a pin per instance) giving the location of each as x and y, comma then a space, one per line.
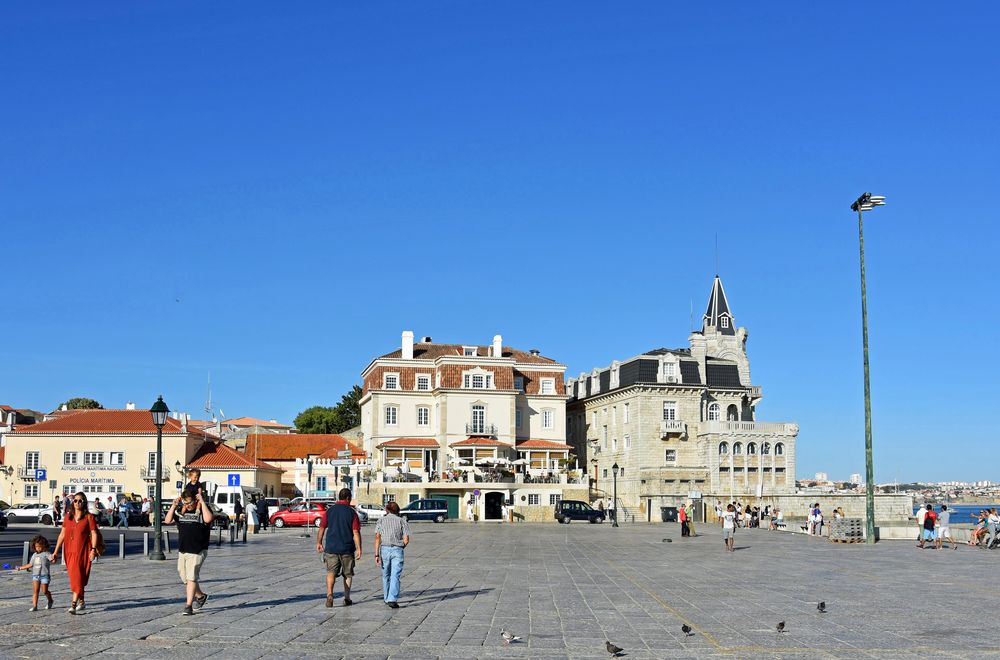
565, 589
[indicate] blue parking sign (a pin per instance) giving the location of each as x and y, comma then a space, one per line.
39, 474
234, 480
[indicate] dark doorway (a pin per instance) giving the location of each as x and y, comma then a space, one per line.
494, 506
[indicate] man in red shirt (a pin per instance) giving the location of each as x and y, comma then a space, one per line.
340, 542
683, 519
929, 519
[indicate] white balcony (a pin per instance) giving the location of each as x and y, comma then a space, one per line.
673, 427
748, 428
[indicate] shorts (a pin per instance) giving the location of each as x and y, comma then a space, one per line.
44, 579
339, 564
189, 565
728, 533
928, 534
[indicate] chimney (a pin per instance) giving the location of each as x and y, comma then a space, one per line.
129, 406
497, 346
535, 352
407, 344
184, 422
64, 407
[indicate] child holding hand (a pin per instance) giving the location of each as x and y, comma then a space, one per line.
40, 575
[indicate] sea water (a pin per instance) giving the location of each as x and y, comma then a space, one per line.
960, 512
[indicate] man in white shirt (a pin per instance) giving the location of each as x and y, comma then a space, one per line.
921, 514
729, 527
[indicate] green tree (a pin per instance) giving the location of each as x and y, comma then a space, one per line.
82, 403
332, 419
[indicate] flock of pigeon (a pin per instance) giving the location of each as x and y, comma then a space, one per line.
615, 651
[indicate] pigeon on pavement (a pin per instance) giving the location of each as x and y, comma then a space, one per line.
686, 629
613, 650
780, 627
821, 608
508, 637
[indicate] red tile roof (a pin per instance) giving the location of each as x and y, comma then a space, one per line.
104, 422
410, 442
423, 351
479, 442
289, 446
535, 443
251, 421
3, 450
217, 455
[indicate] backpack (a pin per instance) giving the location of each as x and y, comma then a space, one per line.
101, 545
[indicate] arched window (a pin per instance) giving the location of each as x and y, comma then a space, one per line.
723, 448
737, 448
779, 449
713, 412
765, 448
733, 413
751, 448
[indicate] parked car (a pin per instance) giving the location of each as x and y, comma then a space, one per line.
275, 504
24, 512
3, 520
302, 514
436, 510
372, 511
568, 510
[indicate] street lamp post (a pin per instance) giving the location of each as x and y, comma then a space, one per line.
614, 497
159, 412
865, 203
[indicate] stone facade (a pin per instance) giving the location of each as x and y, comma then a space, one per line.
680, 422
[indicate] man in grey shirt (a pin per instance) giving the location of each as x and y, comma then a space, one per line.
943, 519
392, 534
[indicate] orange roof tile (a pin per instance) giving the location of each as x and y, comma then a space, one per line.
431, 351
289, 446
3, 450
410, 442
535, 443
218, 455
252, 421
479, 442
104, 422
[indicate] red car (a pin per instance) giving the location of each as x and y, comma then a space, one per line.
300, 514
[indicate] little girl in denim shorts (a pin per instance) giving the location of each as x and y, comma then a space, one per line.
40, 575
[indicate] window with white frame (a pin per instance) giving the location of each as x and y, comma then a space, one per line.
670, 370
116, 489
517, 418
469, 350
321, 483
779, 449
605, 437
604, 473
594, 422
724, 321
93, 458
548, 418
151, 492
151, 461
737, 448
423, 382
90, 488
614, 415
548, 386
423, 416
391, 415
595, 385
554, 499
614, 378
31, 460
116, 458
533, 498
669, 411
751, 448
713, 412
478, 418
519, 383
627, 441
392, 381
670, 455
723, 448
625, 413
70, 457
765, 448
478, 381
31, 491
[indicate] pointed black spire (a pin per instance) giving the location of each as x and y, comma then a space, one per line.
718, 315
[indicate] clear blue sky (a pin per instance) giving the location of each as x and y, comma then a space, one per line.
272, 192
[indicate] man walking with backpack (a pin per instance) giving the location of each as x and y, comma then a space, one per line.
194, 530
340, 542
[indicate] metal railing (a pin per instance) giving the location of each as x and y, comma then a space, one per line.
149, 474
481, 428
779, 428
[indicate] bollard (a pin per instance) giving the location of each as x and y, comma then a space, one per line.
232, 534
121, 546
145, 543
245, 532
24, 555
166, 542
219, 544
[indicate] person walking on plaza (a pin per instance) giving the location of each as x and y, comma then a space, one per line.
921, 513
262, 516
340, 542
392, 534
818, 520
57, 510
929, 519
124, 509
682, 519
78, 541
729, 527
147, 507
40, 571
237, 510
718, 511
194, 518
993, 527
943, 530
470, 510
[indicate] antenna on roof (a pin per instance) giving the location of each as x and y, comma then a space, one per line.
692, 314
716, 254
208, 403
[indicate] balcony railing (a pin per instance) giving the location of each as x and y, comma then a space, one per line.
749, 428
481, 428
27, 474
149, 474
754, 392
673, 426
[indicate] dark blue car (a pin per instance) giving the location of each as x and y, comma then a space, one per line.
569, 510
436, 510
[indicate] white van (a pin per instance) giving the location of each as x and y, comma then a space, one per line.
225, 498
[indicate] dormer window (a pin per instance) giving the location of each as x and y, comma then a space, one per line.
724, 321
392, 381
423, 382
519, 383
548, 386
670, 370
477, 380
470, 351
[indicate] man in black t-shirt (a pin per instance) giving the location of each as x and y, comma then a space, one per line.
194, 528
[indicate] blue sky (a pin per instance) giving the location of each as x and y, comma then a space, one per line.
274, 192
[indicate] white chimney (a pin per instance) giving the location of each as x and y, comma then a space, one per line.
129, 406
184, 422
407, 344
497, 346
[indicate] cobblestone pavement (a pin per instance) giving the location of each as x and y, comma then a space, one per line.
565, 589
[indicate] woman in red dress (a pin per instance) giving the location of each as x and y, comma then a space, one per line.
78, 539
